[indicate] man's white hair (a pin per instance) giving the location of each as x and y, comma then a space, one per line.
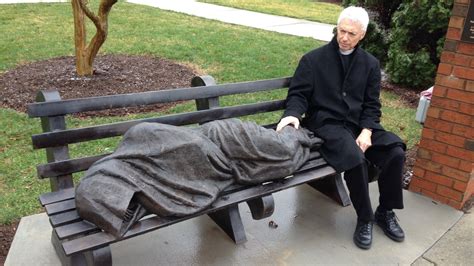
356, 14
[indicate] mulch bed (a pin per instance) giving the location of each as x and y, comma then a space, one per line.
7, 232
114, 74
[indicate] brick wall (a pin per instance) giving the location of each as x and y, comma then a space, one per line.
444, 164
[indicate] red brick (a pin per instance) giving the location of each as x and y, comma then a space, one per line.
423, 184
428, 133
433, 112
455, 204
466, 109
462, 60
459, 153
456, 22
450, 81
447, 57
439, 125
417, 171
463, 72
449, 193
445, 103
414, 189
460, 186
445, 160
454, 117
445, 69
450, 139
438, 179
433, 145
466, 166
453, 34
455, 173
423, 154
462, 2
469, 85
462, 96
435, 196
465, 48
430, 166
462, 131
440, 91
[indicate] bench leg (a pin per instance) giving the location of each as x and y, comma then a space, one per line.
229, 220
101, 256
262, 207
333, 187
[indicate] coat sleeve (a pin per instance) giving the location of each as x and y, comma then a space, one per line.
371, 113
300, 90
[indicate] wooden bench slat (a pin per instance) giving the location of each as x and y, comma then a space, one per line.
66, 167
74, 229
64, 218
151, 97
59, 207
57, 196
101, 239
63, 137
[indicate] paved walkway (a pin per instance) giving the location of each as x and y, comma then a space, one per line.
312, 230
292, 26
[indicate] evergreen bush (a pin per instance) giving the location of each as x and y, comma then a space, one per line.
416, 30
416, 40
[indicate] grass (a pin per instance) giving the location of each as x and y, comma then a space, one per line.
230, 53
303, 9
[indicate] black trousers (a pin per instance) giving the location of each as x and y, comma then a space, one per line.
389, 160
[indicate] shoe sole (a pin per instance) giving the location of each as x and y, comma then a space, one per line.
394, 238
362, 246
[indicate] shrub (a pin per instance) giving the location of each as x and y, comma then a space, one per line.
416, 39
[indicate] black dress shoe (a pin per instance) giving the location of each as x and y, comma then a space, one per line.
387, 220
363, 235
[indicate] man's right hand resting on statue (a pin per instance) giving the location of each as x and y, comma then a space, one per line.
289, 120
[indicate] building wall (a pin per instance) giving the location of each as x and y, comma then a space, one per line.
444, 164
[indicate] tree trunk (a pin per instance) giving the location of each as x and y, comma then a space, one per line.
85, 54
82, 68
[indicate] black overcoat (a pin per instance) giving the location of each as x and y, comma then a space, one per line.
337, 105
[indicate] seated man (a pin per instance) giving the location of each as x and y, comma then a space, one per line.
337, 88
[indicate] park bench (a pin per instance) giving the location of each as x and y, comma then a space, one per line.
78, 242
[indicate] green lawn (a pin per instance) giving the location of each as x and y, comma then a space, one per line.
33, 32
303, 9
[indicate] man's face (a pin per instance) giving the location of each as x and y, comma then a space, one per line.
349, 34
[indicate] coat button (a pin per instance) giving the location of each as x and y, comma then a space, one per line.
344, 94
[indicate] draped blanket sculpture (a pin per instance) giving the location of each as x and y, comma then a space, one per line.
177, 171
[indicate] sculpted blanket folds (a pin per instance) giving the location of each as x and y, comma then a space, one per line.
177, 171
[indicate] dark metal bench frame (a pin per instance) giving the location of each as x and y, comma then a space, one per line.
78, 242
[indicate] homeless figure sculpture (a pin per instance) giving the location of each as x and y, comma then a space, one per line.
177, 171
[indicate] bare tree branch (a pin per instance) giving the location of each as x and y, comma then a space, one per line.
89, 13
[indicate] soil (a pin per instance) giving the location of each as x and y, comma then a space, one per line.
114, 74
6, 236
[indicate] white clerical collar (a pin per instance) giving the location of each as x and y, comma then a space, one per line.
346, 52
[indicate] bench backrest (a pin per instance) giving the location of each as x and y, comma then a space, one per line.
56, 137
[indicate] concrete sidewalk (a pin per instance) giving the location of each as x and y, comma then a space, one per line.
312, 229
292, 26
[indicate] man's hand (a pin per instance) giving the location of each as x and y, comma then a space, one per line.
364, 140
287, 121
